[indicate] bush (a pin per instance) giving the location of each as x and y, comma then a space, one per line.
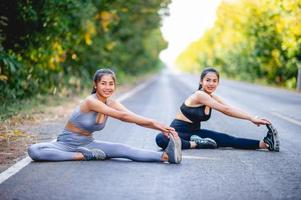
46, 44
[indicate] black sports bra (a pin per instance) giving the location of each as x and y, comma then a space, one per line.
195, 114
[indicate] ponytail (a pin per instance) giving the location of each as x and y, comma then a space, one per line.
93, 90
200, 87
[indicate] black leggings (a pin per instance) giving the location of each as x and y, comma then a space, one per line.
186, 130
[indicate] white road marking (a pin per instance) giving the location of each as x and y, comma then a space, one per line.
22, 163
14, 169
199, 157
287, 118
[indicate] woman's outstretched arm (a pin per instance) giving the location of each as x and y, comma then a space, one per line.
116, 110
219, 105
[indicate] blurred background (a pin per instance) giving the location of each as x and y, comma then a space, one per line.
53, 47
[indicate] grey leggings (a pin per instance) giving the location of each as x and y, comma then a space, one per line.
65, 149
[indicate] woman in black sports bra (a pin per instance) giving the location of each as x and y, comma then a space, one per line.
197, 108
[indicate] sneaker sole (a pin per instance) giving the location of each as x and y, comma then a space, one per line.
176, 143
179, 149
275, 139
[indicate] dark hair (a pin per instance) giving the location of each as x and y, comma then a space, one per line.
205, 72
99, 74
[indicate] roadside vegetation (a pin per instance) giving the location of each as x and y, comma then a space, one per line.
53, 47
251, 40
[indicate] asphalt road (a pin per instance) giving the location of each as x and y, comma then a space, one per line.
203, 174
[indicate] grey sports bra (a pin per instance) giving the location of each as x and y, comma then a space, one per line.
87, 120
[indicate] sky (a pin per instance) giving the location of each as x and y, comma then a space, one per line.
188, 20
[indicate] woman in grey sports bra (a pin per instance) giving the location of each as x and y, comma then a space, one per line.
197, 108
76, 142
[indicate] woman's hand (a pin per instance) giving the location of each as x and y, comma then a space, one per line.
162, 127
175, 134
171, 132
166, 130
259, 121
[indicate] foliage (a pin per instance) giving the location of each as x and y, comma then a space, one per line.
46, 45
251, 39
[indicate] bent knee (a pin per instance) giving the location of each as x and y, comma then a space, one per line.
33, 152
162, 141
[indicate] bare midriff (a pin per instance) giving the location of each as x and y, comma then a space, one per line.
71, 127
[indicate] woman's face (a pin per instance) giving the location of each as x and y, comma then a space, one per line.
106, 86
210, 82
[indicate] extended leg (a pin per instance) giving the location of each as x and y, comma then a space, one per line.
225, 140
116, 150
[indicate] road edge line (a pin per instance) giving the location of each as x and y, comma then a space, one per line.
14, 169
293, 121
